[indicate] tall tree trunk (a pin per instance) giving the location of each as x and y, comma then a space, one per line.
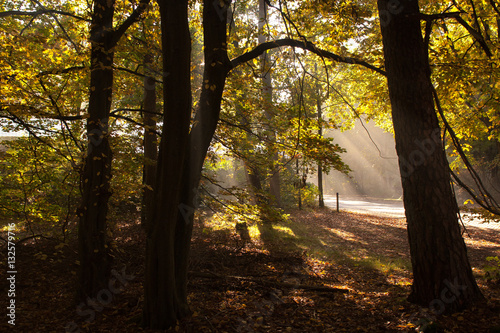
217, 67
95, 261
442, 274
169, 234
92, 244
164, 304
320, 133
150, 146
267, 93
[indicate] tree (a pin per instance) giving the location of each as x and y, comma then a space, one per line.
321, 201
460, 41
96, 175
267, 95
150, 145
442, 274
164, 298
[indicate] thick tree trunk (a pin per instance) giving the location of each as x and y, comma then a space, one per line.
164, 303
442, 274
92, 229
217, 66
150, 145
181, 156
92, 244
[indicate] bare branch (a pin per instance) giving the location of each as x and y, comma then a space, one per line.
136, 73
441, 16
257, 51
41, 12
61, 71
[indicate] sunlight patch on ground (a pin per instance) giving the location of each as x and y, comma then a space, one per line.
284, 229
219, 222
480, 243
348, 236
385, 265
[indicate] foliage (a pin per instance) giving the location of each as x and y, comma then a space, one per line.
242, 299
39, 187
44, 73
294, 189
44, 93
493, 270
126, 183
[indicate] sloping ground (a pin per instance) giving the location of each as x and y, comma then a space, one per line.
318, 272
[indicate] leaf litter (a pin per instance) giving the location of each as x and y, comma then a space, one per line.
329, 272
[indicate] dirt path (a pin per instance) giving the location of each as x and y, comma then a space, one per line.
395, 209
379, 207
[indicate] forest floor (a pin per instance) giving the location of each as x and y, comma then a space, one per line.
319, 271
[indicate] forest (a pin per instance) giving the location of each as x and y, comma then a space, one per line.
171, 165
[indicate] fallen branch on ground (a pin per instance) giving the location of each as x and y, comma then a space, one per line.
211, 275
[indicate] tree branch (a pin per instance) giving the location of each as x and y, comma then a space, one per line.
41, 12
260, 49
42, 114
77, 48
135, 110
495, 6
477, 36
321, 288
130, 120
456, 15
61, 71
487, 201
441, 16
136, 73
134, 17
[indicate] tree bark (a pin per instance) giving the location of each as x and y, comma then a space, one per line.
442, 274
217, 67
182, 154
95, 261
150, 145
164, 304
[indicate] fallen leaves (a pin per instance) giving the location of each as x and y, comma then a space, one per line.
270, 285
